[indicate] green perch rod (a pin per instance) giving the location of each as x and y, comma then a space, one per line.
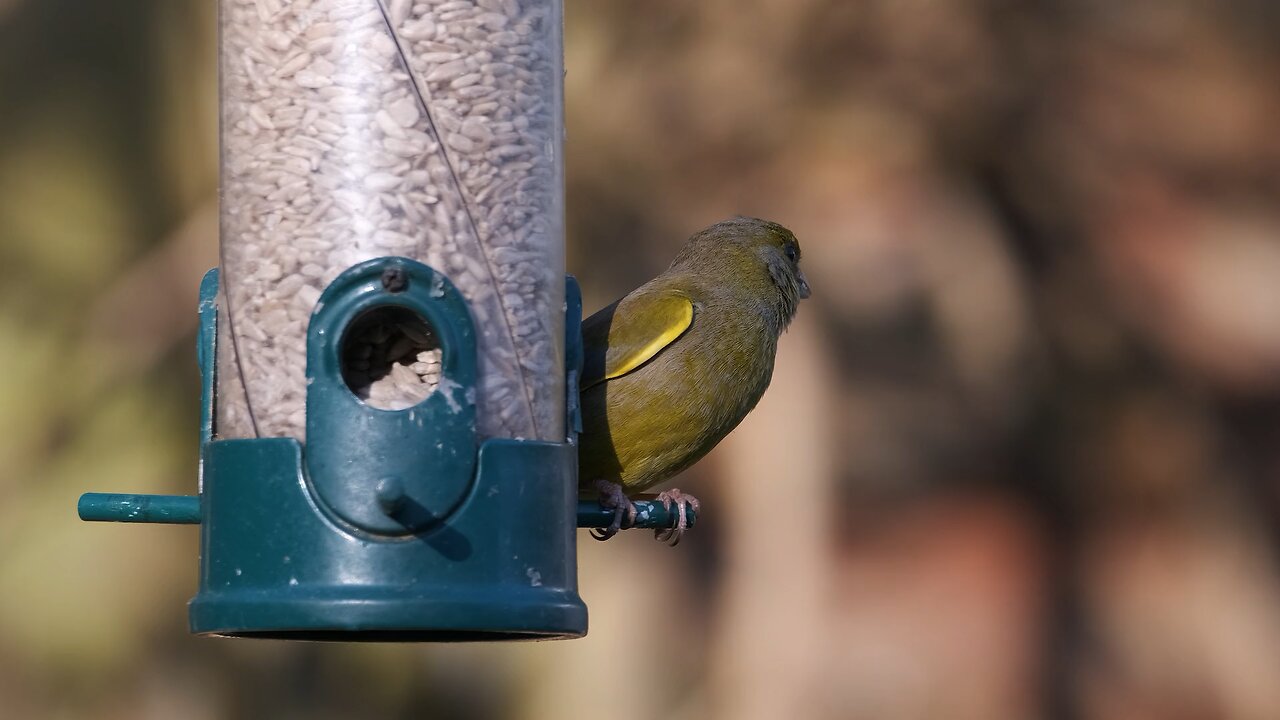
185, 510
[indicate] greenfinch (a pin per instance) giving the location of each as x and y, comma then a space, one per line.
671, 368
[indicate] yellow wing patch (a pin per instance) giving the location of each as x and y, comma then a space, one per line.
674, 315
625, 336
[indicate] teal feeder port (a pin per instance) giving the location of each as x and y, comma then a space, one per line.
394, 525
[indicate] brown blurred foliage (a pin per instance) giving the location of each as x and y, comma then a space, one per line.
1021, 458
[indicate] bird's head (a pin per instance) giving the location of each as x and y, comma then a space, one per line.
756, 256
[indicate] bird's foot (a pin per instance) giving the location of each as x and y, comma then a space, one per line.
613, 498
682, 501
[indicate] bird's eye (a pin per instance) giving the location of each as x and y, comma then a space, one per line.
793, 253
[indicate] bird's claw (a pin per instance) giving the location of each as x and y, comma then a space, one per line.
682, 501
613, 498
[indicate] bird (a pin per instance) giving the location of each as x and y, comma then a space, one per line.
672, 367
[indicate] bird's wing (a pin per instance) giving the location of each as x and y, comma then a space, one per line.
628, 333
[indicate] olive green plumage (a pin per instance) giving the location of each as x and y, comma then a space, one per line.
676, 364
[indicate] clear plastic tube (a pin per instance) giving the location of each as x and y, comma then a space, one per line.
354, 129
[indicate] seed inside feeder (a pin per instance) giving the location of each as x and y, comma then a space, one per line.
358, 129
391, 359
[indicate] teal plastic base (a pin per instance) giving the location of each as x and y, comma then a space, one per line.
277, 565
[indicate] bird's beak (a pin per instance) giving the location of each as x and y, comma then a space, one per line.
804, 284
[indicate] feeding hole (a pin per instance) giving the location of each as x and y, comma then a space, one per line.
391, 358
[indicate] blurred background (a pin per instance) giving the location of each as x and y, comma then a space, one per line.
1020, 458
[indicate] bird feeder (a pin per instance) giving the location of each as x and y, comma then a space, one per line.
389, 349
